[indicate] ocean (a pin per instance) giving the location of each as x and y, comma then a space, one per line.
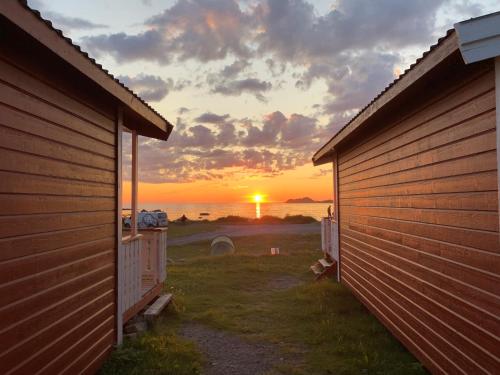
250, 210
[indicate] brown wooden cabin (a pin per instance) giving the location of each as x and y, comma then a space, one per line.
63, 280
416, 192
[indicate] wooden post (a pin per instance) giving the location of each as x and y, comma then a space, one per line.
119, 246
135, 182
497, 93
336, 216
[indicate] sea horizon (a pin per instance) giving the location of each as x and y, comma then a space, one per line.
212, 211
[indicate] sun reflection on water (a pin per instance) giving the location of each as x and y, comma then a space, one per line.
257, 210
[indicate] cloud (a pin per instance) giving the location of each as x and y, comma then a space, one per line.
62, 21
252, 86
211, 118
201, 152
152, 88
183, 110
232, 70
293, 32
204, 30
352, 49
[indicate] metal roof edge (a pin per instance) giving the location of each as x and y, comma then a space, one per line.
479, 38
442, 49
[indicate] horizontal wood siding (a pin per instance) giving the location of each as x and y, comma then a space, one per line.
419, 227
57, 228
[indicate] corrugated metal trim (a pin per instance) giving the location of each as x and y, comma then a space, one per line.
412, 66
24, 3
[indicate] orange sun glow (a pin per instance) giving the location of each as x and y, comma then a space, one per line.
257, 198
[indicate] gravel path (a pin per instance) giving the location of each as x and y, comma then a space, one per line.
229, 354
248, 230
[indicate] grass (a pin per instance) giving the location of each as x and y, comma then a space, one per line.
320, 324
176, 230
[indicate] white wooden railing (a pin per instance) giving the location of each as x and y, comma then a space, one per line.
329, 237
154, 258
132, 271
144, 262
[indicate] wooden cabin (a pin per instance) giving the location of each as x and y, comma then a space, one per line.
416, 189
68, 280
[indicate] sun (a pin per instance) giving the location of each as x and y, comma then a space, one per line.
257, 198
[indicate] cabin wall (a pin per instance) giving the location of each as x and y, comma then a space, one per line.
419, 225
57, 217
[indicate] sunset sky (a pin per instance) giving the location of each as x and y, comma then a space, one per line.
253, 87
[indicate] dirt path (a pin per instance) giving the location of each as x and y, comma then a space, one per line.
229, 354
249, 230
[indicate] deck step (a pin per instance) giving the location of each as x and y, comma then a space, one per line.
157, 307
316, 268
325, 263
324, 268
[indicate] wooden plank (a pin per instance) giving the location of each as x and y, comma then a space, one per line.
16, 204
462, 359
487, 281
20, 267
460, 149
52, 314
29, 245
65, 134
104, 344
29, 83
477, 259
485, 323
15, 161
485, 304
461, 329
11, 226
471, 164
480, 240
22, 183
31, 304
19, 141
158, 306
475, 182
411, 144
478, 201
29, 355
29, 104
39, 282
424, 350
480, 220
145, 300
449, 99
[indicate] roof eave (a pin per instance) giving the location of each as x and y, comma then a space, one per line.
19, 13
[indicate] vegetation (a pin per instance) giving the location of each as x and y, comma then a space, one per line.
318, 324
267, 219
176, 229
160, 351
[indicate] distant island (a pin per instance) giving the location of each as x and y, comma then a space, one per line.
306, 200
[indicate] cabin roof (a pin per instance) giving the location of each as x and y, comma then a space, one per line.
444, 47
147, 121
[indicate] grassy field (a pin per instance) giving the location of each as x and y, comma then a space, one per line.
176, 230
320, 324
